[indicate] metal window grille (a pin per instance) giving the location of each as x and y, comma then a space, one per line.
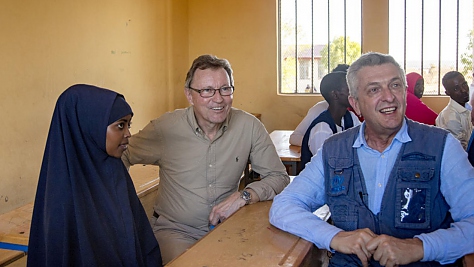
314, 37
432, 37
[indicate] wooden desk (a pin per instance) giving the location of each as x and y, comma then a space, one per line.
247, 239
290, 155
146, 180
15, 225
15, 229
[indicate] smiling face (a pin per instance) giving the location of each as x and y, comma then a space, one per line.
210, 112
117, 137
381, 99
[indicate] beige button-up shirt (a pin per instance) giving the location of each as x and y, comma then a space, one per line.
197, 173
457, 120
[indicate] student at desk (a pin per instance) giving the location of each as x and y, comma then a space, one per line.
202, 152
333, 120
296, 138
86, 211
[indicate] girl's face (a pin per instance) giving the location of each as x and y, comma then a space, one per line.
117, 136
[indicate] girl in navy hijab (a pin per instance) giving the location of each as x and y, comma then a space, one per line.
86, 210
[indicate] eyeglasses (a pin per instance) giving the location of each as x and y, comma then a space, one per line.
210, 92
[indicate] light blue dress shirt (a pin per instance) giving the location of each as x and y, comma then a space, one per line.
292, 209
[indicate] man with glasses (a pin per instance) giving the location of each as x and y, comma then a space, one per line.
202, 152
456, 116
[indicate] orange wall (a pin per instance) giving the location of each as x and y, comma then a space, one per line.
142, 49
245, 32
375, 26
135, 47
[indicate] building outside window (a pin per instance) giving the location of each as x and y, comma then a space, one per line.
316, 36
430, 37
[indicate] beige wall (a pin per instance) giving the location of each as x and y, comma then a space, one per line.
135, 47
142, 49
375, 26
245, 32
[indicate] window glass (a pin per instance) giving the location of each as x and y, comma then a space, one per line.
432, 37
315, 36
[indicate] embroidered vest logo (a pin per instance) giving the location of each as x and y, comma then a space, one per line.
336, 184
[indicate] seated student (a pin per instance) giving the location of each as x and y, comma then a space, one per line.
416, 109
335, 119
399, 191
86, 211
456, 116
296, 137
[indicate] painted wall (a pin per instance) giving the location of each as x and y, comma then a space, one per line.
245, 33
142, 49
135, 47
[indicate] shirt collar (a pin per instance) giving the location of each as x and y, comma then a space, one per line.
402, 136
195, 126
458, 108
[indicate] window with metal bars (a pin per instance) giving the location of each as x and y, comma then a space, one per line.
314, 37
432, 37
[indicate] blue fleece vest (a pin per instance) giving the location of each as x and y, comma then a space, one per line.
326, 117
412, 203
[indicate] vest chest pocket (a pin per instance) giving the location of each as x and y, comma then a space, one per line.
413, 198
339, 176
339, 192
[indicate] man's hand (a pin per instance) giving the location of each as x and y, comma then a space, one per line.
391, 251
234, 202
354, 242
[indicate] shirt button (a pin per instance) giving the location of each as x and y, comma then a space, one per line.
210, 165
380, 185
382, 156
210, 185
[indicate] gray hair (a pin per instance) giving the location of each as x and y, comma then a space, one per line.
366, 60
208, 62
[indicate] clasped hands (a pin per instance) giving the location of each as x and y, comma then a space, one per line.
387, 250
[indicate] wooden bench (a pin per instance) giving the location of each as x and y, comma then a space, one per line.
290, 155
15, 225
146, 180
15, 229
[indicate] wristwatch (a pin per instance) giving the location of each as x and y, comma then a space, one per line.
245, 195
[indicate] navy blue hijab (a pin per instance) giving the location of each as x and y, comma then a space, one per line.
86, 211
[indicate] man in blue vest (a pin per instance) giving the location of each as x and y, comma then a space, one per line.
399, 192
334, 119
